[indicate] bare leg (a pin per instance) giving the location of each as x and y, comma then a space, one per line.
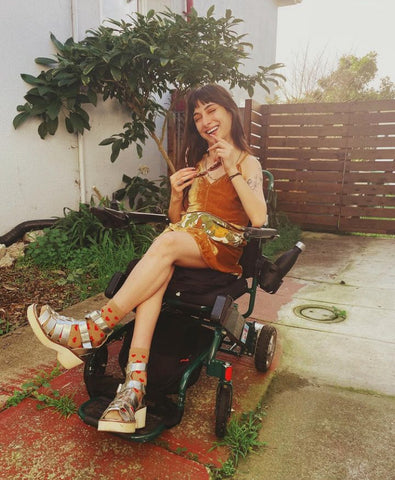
147, 314
154, 269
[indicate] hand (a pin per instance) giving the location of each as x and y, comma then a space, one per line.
182, 178
227, 153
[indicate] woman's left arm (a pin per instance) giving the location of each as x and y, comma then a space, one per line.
249, 187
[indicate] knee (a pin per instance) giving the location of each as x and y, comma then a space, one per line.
164, 246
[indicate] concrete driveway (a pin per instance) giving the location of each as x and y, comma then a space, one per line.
331, 405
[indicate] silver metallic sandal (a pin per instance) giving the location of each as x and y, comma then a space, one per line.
131, 411
53, 331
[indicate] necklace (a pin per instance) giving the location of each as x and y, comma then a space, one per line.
212, 167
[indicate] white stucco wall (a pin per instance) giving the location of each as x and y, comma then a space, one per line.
38, 178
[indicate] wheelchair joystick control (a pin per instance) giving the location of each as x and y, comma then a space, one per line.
273, 273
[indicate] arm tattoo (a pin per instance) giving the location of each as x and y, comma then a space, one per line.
255, 182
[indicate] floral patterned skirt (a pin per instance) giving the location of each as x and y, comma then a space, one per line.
220, 243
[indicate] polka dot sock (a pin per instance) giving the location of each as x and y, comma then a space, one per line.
139, 355
110, 313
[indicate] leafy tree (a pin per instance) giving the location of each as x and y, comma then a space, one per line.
138, 63
350, 80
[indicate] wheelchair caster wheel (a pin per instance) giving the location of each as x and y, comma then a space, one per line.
223, 407
265, 348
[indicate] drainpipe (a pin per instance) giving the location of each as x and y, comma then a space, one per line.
189, 5
80, 141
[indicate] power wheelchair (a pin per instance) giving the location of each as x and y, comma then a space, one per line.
200, 318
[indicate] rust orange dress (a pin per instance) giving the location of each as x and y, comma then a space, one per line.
214, 218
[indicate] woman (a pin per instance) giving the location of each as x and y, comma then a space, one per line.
219, 190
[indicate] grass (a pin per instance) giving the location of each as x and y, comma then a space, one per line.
64, 404
289, 234
242, 437
5, 327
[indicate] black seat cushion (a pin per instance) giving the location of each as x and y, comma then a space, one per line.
202, 286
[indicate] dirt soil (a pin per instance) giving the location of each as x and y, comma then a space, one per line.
22, 285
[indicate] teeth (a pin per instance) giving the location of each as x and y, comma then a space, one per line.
212, 130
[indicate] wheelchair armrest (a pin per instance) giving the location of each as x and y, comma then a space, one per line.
254, 232
119, 219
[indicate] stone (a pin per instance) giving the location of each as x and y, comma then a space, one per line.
3, 250
16, 250
6, 261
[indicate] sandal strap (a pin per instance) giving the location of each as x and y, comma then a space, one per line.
96, 317
58, 327
136, 367
126, 402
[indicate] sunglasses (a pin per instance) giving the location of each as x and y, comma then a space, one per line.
214, 166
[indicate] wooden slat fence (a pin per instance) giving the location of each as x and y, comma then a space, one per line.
333, 163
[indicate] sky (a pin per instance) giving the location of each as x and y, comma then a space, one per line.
337, 27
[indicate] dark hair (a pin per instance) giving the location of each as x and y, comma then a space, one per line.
194, 146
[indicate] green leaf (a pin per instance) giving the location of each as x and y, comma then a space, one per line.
20, 118
52, 125
116, 73
77, 122
164, 62
31, 80
45, 61
139, 149
92, 96
42, 130
56, 42
69, 125
210, 11
107, 141
116, 148
54, 109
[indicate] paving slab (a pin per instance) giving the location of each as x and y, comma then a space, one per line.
331, 405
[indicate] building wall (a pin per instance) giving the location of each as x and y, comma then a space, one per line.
260, 26
39, 178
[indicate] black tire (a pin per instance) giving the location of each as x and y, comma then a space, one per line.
223, 407
265, 348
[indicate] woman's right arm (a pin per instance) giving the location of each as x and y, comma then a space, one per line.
178, 182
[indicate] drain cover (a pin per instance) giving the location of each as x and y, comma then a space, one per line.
318, 313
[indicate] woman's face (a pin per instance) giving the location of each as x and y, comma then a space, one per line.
213, 121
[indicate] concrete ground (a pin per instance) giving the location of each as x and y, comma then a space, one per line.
329, 408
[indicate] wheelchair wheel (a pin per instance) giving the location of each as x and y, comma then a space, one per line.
223, 406
265, 348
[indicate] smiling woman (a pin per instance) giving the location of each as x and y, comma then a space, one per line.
205, 232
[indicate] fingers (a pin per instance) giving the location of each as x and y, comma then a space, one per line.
182, 178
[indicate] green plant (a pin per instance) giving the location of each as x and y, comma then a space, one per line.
339, 313
138, 63
241, 438
289, 234
5, 327
62, 403
145, 195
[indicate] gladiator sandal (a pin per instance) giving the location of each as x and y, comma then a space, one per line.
53, 331
130, 408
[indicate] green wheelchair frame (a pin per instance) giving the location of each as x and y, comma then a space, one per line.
231, 333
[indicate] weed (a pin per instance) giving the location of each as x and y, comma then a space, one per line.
63, 404
241, 438
5, 327
339, 313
